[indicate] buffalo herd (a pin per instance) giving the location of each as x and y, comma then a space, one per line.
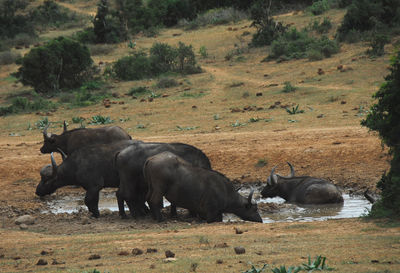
148, 171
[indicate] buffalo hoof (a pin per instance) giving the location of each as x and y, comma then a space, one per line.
123, 216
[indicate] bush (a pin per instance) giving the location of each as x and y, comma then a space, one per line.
134, 67
298, 44
169, 12
86, 36
167, 83
322, 27
384, 118
51, 14
8, 57
138, 91
12, 19
319, 7
60, 64
365, 15
162, 58
108, 27
186, 60
22, 104
288, 88
377, 44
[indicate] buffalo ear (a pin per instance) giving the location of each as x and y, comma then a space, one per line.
65, 126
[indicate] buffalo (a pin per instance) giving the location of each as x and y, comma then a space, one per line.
301, 189
202, 191
91, 167
130, 161
70, 140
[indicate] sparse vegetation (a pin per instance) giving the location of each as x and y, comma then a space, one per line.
203, 52
8, 57
294, 110
23, 105
319, 7
322, 27
100, 120
377, 44
167, 83
288, 88
138, 91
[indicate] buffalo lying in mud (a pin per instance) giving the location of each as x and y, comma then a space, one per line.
90, 167
70, 140
301, 189
129, 164
202, 191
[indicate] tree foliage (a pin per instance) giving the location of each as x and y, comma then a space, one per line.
11, 22
385, 119
61, 63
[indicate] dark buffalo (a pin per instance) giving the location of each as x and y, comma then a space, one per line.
202, 191
90, 167
69, 141
301, 189
129, 164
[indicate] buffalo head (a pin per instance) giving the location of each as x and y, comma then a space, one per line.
272, 187
52, 142
248, 211
48, 180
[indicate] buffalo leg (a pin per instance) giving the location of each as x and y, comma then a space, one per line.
214, 217
92, 202
155, 203
173, 210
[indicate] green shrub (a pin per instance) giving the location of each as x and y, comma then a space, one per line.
162, 58
288, 88
186, 60
137, 91
22, 39
294, 110
134, 67
99, 120
322, 27
13, 18
108, 26
86, 36
8, 57
60, 64
384, 118
298, 44
167, 83
23, 105
51, 14
203, 52
377, 44
319, 7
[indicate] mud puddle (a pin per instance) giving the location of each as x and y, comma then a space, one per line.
271, 209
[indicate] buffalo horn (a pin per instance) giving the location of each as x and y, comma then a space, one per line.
65, 126
63, 155
45, 131
53, 164
250, 196
291, 169
272, 177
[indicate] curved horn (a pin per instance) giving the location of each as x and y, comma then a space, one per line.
63, 155
250, 196
45, 135
272, 177
291, 169
54, 164
65, 126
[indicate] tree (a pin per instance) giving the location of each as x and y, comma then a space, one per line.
109, 27
385, 119
12, 23
61, 63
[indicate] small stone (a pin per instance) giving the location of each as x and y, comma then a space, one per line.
219, 261
165, 95
55, 262
259, 94
320, 71
151, 250
123, 253
152, 266
137, 251
23, 227
151, 99
320, 116
169, 254
194, 107
94, 257
193, 267
41, 262
239, 250
238, 231
343, 102
44, 252
169, 260
221, 245
25, 219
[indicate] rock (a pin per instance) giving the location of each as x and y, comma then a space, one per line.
320, 71
41, 262
238, 231
259, 94
137, 251
169, 254
25, 219
339, 67
165, 95
55, 262
44, 252
169, 260
194, 107
221, 245
239, 250
152, 266
343, 102
115, 95
23, 227
151, 99
94, 257
219, 261
151, 250
193, 267
320, 116
123, 253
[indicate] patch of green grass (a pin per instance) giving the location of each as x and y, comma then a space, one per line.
288, 88
262, 162
23, 105
193, 95
99, 120
138, 91
294, 110
238, 124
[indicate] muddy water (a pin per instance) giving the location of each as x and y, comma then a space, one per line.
271, 209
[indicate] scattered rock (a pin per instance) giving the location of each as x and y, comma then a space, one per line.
115, 95
151, 99
238, 230
235, 110
259, 253
169, 254
142, 100
336, 143
94, 257
55, 262
320, 71
169, 260
339, 67
343, 102
194, 107
165, 95
123, 253
193, 267
239, 250
259, 94
272, 85
25, 219
137, 251
221, 245
186, 89
219, 261
151, 250
45, 252
107, 103
320, 116
375, 261
176, 34
346, 68
41, 262
23, 227
16, 258
152, 266
266, 75
121, 102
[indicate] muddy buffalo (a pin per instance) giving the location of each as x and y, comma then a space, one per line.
90, 167
301, 189
202, 191
129, 164
70, 140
